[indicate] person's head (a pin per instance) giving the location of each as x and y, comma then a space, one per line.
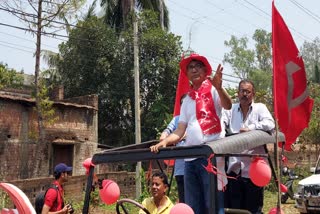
62, 171
246, 92
196, 68
159, 185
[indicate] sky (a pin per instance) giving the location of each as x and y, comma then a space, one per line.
204, 26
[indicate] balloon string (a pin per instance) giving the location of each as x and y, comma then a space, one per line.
210, 168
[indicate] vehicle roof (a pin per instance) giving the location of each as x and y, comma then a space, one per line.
231, 145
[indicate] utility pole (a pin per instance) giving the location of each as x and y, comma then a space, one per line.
161, 14
37, 72
136, 97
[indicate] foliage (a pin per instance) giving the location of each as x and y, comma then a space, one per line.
159, 56
90, 62
233, 92
117, 13
316, 74
95, 61
311, 134
9, 77
251, 64
263, 50
262, 80
4, 200
46, 105
145, 193
311, 56
240, 57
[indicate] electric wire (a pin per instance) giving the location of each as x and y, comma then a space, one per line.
20, 49
307, 11
261, 11
199, 14
299, 34
222, 10
29, 40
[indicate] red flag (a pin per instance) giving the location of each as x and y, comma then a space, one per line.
182, 88
292, 104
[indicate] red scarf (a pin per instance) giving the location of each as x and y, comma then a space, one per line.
205, 111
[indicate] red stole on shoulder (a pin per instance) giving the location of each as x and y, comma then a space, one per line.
205, 111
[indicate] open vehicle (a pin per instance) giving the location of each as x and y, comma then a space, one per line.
229, 146
308, 193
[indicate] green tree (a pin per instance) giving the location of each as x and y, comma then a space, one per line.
311, 135
240, 57
118, 11
90, 62
311, 56
159, 59
252, 64
316, 74
94, 60
263, 50
9, 78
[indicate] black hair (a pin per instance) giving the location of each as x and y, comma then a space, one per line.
247, 81
163, 177
57, 175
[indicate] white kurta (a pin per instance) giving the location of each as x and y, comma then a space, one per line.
195, 135
258, 118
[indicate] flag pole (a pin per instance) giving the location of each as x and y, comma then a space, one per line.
278, 168
277, 131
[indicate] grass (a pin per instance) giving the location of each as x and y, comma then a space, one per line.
270, 201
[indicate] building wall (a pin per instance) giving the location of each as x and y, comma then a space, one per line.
76, 185
15, 117
21, 157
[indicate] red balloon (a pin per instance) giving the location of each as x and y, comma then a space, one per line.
110, 192
181, 208
260, 172
274, 211
169, 162
87, 163
283, 188
284, 159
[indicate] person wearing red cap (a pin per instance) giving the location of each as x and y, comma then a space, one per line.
200, 117
54, 202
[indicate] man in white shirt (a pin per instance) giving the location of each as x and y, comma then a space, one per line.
200, 119
245, 116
